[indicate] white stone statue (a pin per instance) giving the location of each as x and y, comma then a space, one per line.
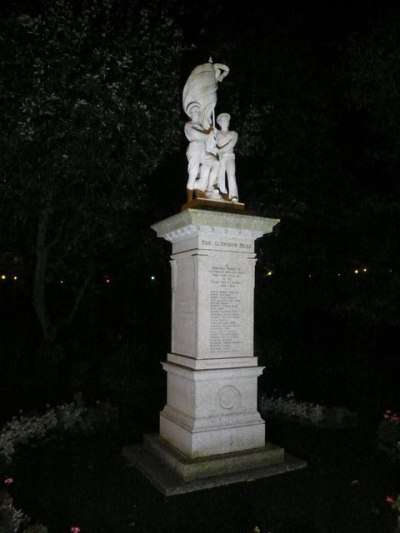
201, 89
199, 98
226, 141
203, 166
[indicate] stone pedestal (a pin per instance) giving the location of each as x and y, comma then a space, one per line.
211, 411
211, 370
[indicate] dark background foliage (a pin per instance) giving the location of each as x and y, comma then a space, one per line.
93, 154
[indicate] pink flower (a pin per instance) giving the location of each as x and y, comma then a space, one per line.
75, 529
389, 499
8, 481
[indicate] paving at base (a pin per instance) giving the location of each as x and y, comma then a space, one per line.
172, 473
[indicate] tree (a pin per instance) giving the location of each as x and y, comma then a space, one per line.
90, 98
370, 146
319, 149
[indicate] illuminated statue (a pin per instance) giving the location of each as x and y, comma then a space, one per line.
203, 166
201, 89
199, 98
226, 141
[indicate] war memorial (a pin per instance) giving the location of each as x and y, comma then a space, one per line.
211, 433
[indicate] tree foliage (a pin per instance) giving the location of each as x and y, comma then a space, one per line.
319, 149
90, 98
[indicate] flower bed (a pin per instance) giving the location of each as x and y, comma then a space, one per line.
306, 412
74, 417
389, 435
69, 418
395, 505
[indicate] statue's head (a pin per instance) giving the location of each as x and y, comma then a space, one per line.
223, 118
193, 111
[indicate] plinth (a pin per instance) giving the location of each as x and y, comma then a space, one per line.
210, 430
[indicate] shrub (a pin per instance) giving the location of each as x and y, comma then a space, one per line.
389, 435
74, 417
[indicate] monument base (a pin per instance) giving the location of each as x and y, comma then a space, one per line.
214, 204
172, 473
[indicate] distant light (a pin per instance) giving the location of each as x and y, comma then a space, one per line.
364, 270
15, 278
356, 271
153, 278
61, 281
309, 275
339, 274
269, 273
3, 276
108, 280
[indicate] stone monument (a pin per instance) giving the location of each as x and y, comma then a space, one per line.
211, 432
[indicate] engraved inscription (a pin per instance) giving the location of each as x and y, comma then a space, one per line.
241, 246
225, 312
183, 307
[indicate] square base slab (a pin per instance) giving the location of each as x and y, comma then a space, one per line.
172, 473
